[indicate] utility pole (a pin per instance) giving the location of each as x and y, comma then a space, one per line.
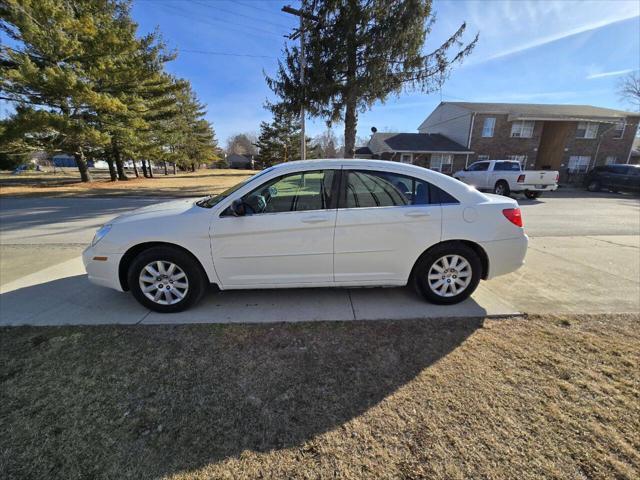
303, 61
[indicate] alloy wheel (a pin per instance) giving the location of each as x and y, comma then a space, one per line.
449, 276
163, 282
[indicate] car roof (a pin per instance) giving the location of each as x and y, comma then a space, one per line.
456, 188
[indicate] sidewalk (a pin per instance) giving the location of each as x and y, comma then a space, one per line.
562, 275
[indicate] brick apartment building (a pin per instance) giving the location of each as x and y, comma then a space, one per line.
569, 138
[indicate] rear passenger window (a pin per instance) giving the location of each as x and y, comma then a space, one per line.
365, 189
507, 166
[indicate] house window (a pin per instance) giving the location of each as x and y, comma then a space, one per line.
483, 157
406, 158
579, 164
618, 132
488, 127
521, 159
587, 130
442, 162
522, 128
611, 160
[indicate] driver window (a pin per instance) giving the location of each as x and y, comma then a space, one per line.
295, 192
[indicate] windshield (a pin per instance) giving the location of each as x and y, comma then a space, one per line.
213, 200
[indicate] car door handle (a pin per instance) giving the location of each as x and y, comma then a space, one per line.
417, 214
314, 219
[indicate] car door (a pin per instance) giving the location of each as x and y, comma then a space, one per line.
633, 179
285, 236
619, 177
385, 221
476, 174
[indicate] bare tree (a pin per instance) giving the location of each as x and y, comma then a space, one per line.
629, 89
327, 144
242, 144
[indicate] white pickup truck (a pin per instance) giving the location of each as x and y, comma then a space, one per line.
504, 177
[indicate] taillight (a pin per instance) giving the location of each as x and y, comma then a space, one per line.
514, 216
520, 178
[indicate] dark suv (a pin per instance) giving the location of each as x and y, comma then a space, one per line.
614, 178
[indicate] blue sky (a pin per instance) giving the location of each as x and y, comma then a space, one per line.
529, 51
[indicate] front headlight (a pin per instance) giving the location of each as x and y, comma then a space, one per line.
102, 231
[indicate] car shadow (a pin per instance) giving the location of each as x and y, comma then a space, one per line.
153, 401
73, 300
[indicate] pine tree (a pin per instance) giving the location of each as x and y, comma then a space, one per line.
279, 140
66, 50
361, 51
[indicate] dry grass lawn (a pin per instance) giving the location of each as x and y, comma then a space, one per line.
540, 397
66, 183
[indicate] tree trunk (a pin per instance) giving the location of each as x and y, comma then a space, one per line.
351, 98
119, 162
112, 170
166, 172
150, 169
193, 167
81, 162
135, 168
175, 172
144, 168
350, 125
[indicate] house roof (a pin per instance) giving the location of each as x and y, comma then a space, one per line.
545, 111
235, 157
414, 142
363, 151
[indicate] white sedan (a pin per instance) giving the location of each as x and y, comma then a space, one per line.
319, 223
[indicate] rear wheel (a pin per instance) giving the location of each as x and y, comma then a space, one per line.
166, 279
502, 188
532, 195
448, 273
593, 186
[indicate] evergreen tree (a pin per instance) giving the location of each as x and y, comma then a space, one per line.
66, 51
85, 84
358, 52
279, 140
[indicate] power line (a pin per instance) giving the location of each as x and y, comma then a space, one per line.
215, 22
261, 20
225, 54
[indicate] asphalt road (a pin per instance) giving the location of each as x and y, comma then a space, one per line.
584, 256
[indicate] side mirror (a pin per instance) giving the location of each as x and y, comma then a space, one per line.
237, 208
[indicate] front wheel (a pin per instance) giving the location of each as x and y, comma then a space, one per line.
532, 195
502, 188
166, 279
448, 273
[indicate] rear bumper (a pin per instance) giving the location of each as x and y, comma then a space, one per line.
505, 256
534, 188
102, 272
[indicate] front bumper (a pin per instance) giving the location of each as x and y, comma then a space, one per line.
505, 256
102, 272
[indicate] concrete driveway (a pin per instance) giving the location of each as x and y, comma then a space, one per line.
584, 257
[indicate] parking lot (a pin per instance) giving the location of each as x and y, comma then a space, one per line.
584, 257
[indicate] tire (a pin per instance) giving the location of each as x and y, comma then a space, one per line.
502, 188
187, 271
532, 195
593, 186
429, 263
